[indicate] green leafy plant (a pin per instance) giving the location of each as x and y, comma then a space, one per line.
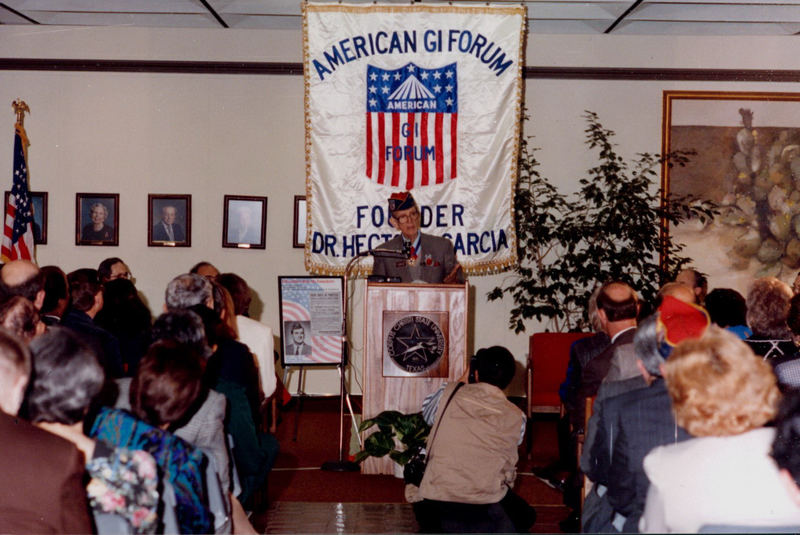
394, 427
614, 227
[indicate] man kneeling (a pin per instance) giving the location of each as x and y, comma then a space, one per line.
472, 453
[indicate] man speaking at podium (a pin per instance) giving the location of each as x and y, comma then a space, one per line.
429, 259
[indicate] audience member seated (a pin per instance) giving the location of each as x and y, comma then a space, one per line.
786, 448
67, 376
22, 277
19, 316
231, 371
42, 474
205, 269
86, 293
788, 371
728, 309
112, 269
126, 317
723, 394
472, 453
165, 387
563, 475
677, 290
618, 307
696, 281
56, 295
767, 310
254, 334
627, 426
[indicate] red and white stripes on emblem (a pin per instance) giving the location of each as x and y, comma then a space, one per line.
405, 150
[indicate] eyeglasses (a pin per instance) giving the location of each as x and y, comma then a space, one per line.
405, 218
123, 275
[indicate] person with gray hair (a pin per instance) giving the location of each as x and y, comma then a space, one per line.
626, 426
67, 378
43, 473
187, 290
767, 311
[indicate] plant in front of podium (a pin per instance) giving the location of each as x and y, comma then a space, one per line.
395, 429
614, 227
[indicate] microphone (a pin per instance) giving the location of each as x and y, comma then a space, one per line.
383, 253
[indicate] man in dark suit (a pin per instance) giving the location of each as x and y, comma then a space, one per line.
298, 345
626, 427
428, 259
43, 488
167, 229
617, 307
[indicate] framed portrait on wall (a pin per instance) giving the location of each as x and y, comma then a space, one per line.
747, 161
300, 214
169, 220
39, 209
97, 219
244, 222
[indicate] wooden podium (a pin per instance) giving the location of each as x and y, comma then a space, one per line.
415, 339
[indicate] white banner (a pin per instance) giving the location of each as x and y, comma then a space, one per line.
424, 98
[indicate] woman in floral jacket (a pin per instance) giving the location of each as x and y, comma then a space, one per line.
67, 377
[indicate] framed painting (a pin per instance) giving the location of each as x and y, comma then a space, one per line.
97, 219
39, 209
244, 222
169, 220
300, 214
747, 161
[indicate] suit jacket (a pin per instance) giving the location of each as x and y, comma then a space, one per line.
580, 353
293, 349
160, 233
632, 424
205, 429
597, 369
42, 490
100, 340
436, 259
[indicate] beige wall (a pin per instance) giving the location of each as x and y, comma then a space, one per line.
211, 135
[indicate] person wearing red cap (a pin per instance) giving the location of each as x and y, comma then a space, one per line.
430, 259
625, 427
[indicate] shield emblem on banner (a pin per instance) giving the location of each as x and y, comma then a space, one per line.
412, 125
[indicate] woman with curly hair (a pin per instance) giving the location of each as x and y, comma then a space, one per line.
723, 394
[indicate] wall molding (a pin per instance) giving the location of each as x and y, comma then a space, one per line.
296, 69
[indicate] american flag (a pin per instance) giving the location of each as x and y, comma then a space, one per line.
18, 228
296, 306
412, 125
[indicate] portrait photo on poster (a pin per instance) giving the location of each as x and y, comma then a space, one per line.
97, 219
169, 220
39, 209
244, 222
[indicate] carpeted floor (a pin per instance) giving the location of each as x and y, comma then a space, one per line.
298, 490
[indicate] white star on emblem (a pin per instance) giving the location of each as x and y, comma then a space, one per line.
437, 88
385, 89
449, 88
397, 76
424, 75
372, 89
437, 74
410, 68
449, 74
385, 76
373, 102
373, 76
449, 101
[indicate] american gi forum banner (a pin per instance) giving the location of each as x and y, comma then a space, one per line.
424, 98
